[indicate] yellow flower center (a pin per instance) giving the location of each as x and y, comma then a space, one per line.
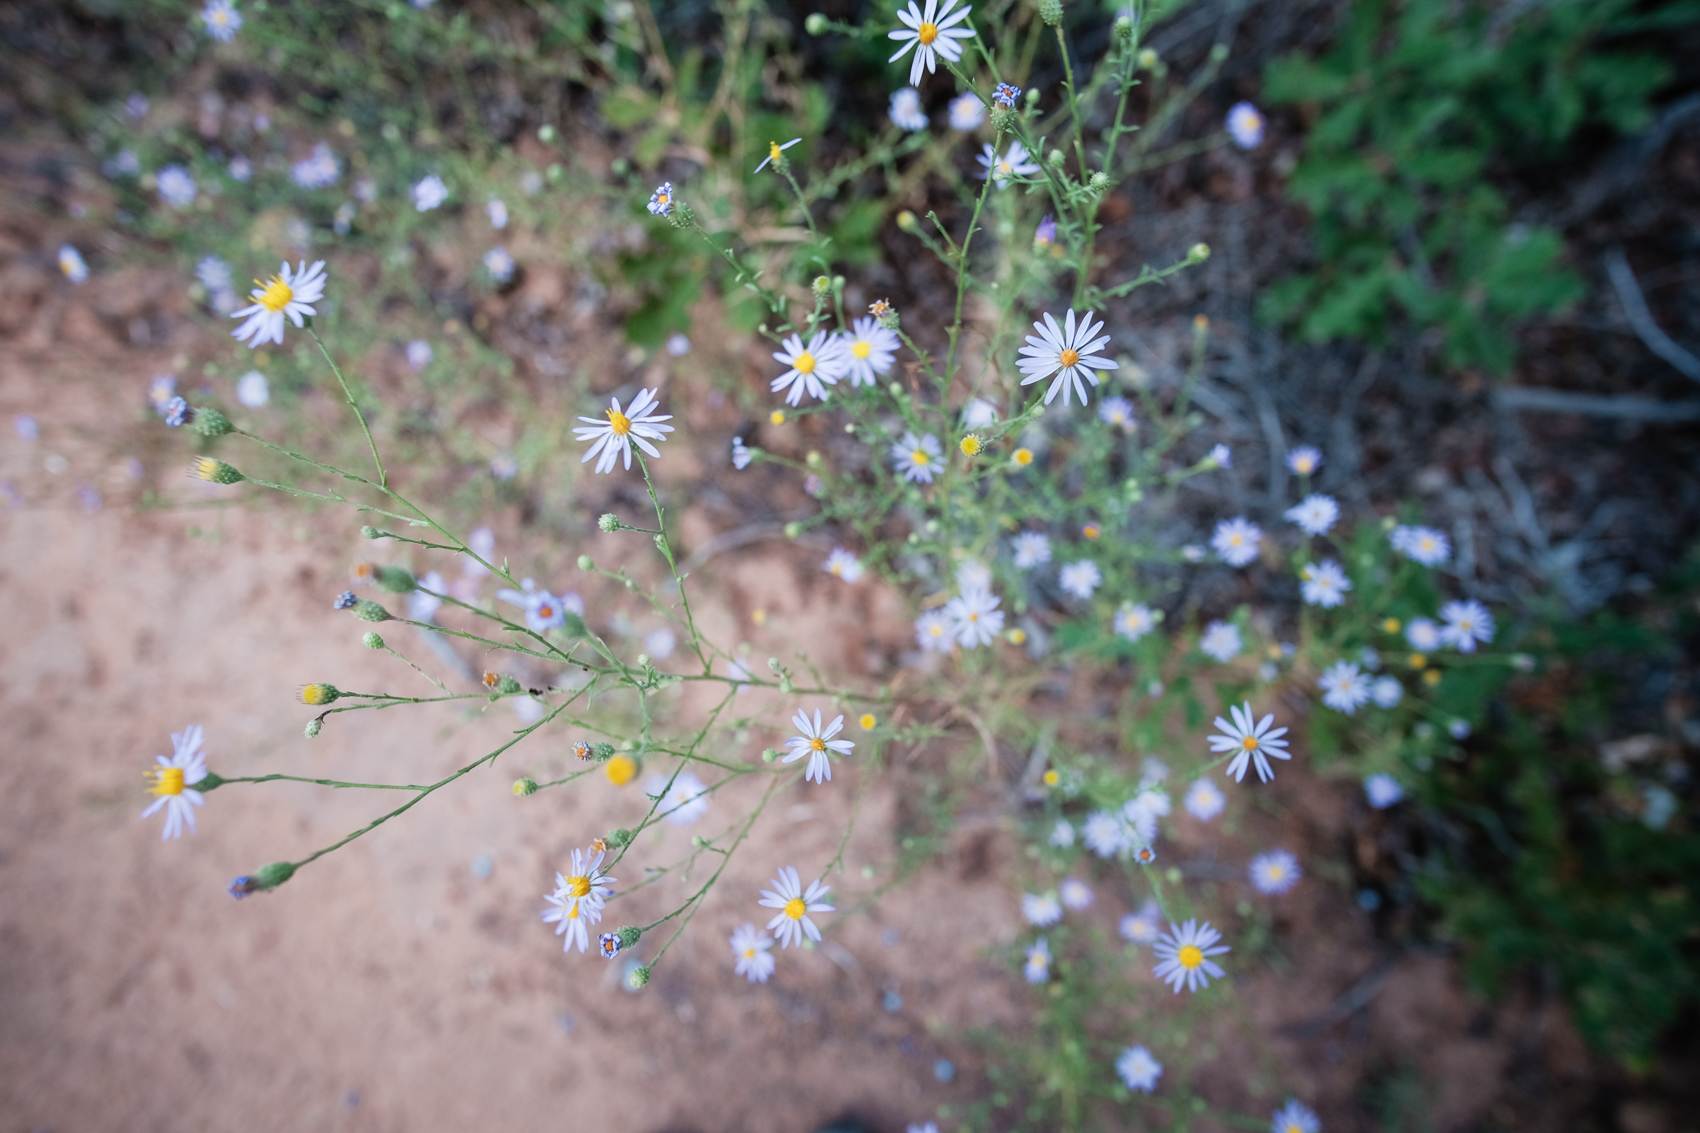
817, 744
863, 348
620, 770
805, 363
795, 908
936, 630
1418, 661
662, 198
1302, 466
1005, 169
1249, 743
545, 611
1391, 625
1432, 677
868, 721
1069, 357
619, 422
749, 953
166, 780
773, 151
919, 456
928, 33
777, 416
1023, 457
578, 886
973, 615
970, 446
277, 294
1190, 956
1052, 778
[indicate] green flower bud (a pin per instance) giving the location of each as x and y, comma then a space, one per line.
1218, 52
369, 611
319, 695
1051, 11
266, 877
609, 522
813, 459
816, 24
371, 532
545, 133
1099, 182
681, 216
895, 389
584, 562
571, 624
629, 935
1198, 253
1148, 59
769, 755
313, 727
1124, 29
638, 978
822, 287
215, 471
1056, 157
211, 423
1004, 119
601, 752
620, 838
372, 640
507, 684
524, 787
792, 530
395, 579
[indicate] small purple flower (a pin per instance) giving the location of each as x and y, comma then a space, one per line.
175, 411
1005, 94
1046, 234
344, 600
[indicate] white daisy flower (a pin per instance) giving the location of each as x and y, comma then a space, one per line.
1245, 125
931, 33
71, 262
1062, 834
176, 187
1220, 641
1324, 585
1138, 1070
843, 564
579, 898
751, 952
1117, 412
1344, 687
1423, 545
792, 922
979, 414
1041, 909
683, 801
967, 112
1134, 622
429, 193
213, 274
975, 617
1031, 549
499, 263
1274, 872
1204, 800
1253, 742
1142, 927
221, 20
1315, 514
1223, 456
290, 294
1382, 790
172, 780
1012, 164
740, 454
775, 152
906, 112
869, 351
1185, 951
1466, 624
1068, 351
1236, 540
1080, 578
1037, 964
624, 429
932, 631
1423, 635
253, 390
816, 743
917, 458
320, 169
812, 368
543, 611
1387, 692
1075, 894
1304, 460
1107, 833
1294, 1118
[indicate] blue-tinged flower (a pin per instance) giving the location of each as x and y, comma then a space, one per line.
579, 899
1344, 687
543, 610
1423, 545
1245, 125
1423, 635
931, 33
967, 112
792, 922
1117, 412
812, 368
776, 153
318, 170
1274, 872
499, 264
1294, 1118
1062, 834
1041, 909
1134, 622
683, 798
172, 779
1466, 624
740, 454
497, 210
661, 201
622, 430
1315, 515
1387, 692
1138, 1070
1324, 584
918, 458
1012, 164
1080, 578
752, 955
1185, 951
221, 20
1236, 540
345, 600
869, 350
429, 193
1382, 790
844, 564
1304, 460
906, 112
1031, 549
932, 631
1221, 641
1075, 894
1005, 94
1223, 456
71, 262
1143, 926
1037, 965
1252, 741
290, 294
975, 617
1046, 234
176, 187
1107, 833
175, 411
1204, 800
1069, 351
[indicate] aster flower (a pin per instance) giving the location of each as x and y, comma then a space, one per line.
1185, 951
751, 953
1387, 692
290, 294
683, 800
1037, 964
1304, 460
1080, 578
1003, 169
1005, 94
1466, 624
812, 368
931, 33
1245, 125
497, 211
869, 350
499, 263
792, 922
1041, 909
906, 112
176, 187
1143, 926
916, 457
318, 170
543, 611
616, 435
1075, 894
1324, 585
1423, 635
172, 780
1045, 234
175, 412
1107, 833
975, 617
221, 20
241, 168
1294, 1118
1134, 622
1274, 872
1062, 834
1253, 742
1204, 800
1315, 515
967, 112
973, 574
1382, 790
1138, 1070
816, 743
1221, 641
1236, 541
1222, 455
661, 201
843, 564
579, 898
71, 263
213, 274
1117, 412
1423, 545
419, 354
1031, 549
932, 631
429, 193
740, 454
1344, 687
775, 153
1068, 351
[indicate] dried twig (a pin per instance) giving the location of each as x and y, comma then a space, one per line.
1641, 319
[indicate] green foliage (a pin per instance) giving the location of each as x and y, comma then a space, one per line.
1417, 107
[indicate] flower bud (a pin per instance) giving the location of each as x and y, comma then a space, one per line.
1124, 29
313, 727
813, 459
507, 685
372, 640
601, 751
895, 389
1051, 11
266, 877
700, 842
584, 562
524, 787
545, 133
371, 532
907, 222
1004, 119
792, 530
638, 978
396, 580
1099, 182
609, 522
1056, 157
369, 611
320, 694
769, 755
1218, 52
211, 423
1198, 253
215, 471
629, 935
1148, 58
620, 838
822, 287
816, 24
